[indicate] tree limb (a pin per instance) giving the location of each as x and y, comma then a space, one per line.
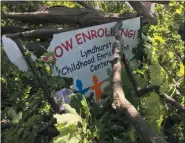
129, 73
142, 91
37, 45
172, 102
49, 129
13, 29
162, 2
39, 33
122, 104
32, 66
63, 15
84, 4
38, 48
159, 2
181, 31
141, 10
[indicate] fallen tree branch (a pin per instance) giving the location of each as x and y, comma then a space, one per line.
84, 4
13, 29
37, 45
162, 2
129, 73
122, 104
40, 33
172, 102
38, 48
49, 129
139, 91
33, 68
64, 15
142, 10
181, 31
142, 91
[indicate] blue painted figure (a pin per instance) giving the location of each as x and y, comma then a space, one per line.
79, 85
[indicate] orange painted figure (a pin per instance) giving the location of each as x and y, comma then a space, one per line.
97, 88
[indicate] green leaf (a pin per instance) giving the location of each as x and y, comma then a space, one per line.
48, 69
70, 117
15, 116
146, 38
66, 139
181, 73
178, 11
74, 139
61, 139
158, 39
159, 123
67, 118
69, 109
157, 74
132, 134
164, 87
67, 134
85, 107
170, 54
33, 120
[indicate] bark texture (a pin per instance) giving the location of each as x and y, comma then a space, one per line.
141, 10
120, 103
155, 88
40, 33
85, 5
64, 15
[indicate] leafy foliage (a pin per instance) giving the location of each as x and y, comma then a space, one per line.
159, 52
163, 48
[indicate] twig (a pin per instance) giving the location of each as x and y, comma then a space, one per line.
172, 102
37, 74
142, 91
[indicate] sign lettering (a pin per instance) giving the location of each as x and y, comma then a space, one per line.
85, 54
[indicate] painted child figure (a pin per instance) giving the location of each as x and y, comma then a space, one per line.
80, 90
97, 88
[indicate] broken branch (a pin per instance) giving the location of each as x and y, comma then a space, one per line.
142, 91
39, 33
122, 104
84, 4
35, 71
172, 102
13, 29
141, 10
64, 15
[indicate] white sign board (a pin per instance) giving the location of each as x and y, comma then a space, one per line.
84, 54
